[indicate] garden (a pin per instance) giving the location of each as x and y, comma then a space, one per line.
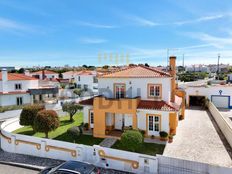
38, 122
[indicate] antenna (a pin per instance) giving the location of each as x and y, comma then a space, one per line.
218, 65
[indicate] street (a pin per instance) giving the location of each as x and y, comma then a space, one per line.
8, 169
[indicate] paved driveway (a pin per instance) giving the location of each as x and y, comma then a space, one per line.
7, 169
198, 140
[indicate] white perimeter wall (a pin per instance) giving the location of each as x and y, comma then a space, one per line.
114, 159
138, 86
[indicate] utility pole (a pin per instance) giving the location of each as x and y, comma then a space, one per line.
218, 65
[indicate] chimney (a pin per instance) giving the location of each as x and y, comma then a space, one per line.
43, 74
4, 81
172, 64
27, 73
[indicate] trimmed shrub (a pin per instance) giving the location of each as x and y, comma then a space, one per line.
46, 121
86, 126
28, 114
77, 91
74, 132
163, 134
131, 140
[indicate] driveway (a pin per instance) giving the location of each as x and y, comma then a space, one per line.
7, 169
197, 140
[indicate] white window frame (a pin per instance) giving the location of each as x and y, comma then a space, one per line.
154, 123
118, 93
157, 90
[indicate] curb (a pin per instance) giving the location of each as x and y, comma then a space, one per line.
26, 166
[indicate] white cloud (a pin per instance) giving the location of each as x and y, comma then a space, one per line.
95, 25
218, 42
142, 21
88, 40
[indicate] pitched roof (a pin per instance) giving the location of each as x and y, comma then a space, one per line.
155, 105
15, 76
45, 72
87, 101
139, 71
86, 72
144, 104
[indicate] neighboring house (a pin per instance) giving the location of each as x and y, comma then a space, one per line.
220, 95
87, 80
139, 97
229, 78
70, 75
20, 89
44, 74
197, 68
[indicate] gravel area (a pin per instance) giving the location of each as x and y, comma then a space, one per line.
197, 139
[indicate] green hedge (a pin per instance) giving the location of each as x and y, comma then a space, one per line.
132, 140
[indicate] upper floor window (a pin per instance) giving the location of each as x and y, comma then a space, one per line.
18, 86
120, 90
154, 90
95, 79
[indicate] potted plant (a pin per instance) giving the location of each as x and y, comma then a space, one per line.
86, 126
170, 138
163, 136
153, 137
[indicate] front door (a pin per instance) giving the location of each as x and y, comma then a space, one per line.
119, 121
91, 119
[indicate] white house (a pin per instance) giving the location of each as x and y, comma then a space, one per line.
229, 77
220, 95
139, 97
87, 80
20, 89
44, 74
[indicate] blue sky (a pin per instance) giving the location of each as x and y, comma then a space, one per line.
77, 32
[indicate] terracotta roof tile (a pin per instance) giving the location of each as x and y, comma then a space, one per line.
87, 101
45, 72
15, 76
139, 71
14, 92
155, 105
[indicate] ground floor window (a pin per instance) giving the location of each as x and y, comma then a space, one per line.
19, 100
91, 117
153, 123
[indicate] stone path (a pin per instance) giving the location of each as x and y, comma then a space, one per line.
108, 142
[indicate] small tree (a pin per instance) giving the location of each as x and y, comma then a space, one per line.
46, 121
77, 91
71, 108
28, 114
132, 140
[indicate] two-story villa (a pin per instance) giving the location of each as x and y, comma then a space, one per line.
20, 89
139, 97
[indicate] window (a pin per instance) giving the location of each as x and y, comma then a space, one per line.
85, 87
79, 78
154, 123
95, 79
79, 86
154, 90
91, 117
19, 100
18, 86
120, 90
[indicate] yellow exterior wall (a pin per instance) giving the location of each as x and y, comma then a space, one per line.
173, 122
182, 94
101, 106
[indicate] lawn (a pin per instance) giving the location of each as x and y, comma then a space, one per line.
147, 148
61, 132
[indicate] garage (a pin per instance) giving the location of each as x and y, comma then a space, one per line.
196, 100
221, 101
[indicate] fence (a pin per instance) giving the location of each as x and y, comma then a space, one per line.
169, 165
222, 122
100, 156
97, 155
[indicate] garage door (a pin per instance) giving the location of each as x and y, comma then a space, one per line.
196, 100
221, 101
